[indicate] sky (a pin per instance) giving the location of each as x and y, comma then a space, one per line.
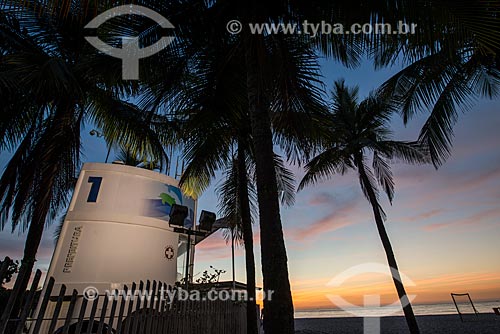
444, 224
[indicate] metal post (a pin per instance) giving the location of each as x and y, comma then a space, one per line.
456, 306
232, 256
186, 276
475, 311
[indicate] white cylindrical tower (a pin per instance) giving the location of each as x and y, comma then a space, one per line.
117, 232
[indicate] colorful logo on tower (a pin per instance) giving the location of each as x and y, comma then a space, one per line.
162, 205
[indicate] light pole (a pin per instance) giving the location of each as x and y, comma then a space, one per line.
178, 213
189, 232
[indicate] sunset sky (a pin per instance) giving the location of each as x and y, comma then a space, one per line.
444, 224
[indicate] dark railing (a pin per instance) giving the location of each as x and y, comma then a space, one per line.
70, 313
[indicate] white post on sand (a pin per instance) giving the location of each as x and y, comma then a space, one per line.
371, 325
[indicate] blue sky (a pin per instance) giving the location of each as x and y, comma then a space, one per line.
444, 224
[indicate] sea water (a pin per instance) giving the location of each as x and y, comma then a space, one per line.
419, 309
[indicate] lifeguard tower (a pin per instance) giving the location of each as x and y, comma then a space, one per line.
118, 231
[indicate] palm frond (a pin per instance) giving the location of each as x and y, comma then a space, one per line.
126, 125
42, 171
9, 188
285, 180
444, 26
383, 174
131, 159
445, 83
414, 152
417, 86
295, 94
437, 132
324, 165
206, 151
230, 200
59, 227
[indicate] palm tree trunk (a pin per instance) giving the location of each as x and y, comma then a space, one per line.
47, 171
391, 259
33, 239
246, 227
278, 309
31, 245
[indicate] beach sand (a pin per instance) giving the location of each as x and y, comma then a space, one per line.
429, 324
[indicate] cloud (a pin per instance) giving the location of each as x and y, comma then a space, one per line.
213, 242
436, 226
446, 193
473, 165
474, 182
216, 247
425, 215
12, 245
321, 198
475, 219
330, 223
459, 279
341, 216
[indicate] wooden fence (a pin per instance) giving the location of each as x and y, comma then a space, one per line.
70, 313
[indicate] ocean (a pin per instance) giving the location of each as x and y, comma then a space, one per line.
419, 309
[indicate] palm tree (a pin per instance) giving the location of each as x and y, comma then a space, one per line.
277, 273
360, 129
217, 86
200, 23
237, 196
51, 84
236, 193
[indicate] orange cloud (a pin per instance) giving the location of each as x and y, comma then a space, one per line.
216, 247
339, 218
